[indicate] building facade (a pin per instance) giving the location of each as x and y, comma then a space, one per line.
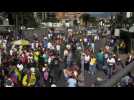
68, 16
60, 16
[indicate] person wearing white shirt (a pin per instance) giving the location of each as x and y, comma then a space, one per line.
65, 52
68, 46
86, 62
49, 45
93, 47
85, 40
58, 48
32, 46
111, 62
37, 44
11, 52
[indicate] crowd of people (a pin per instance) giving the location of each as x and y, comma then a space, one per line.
43, 62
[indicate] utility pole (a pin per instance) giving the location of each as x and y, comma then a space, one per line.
16, 18
43, 16
22, 18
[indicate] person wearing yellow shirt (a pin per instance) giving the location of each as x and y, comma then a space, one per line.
36, 56
92, 65
29, 81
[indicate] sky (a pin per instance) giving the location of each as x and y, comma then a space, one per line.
102, 13
97, 12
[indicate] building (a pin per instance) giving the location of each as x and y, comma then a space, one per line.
68, 16
129, 14
44, 16
72, 15
3, 19
60, 16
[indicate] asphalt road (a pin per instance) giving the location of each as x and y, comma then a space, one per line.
89, 81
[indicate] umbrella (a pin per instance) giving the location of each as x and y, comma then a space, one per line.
21, 42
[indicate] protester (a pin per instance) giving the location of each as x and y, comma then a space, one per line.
100, 59
43, 62
111, 63
92, 65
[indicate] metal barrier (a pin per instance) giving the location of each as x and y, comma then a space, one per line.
116, 78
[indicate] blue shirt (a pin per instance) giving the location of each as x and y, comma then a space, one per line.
71, 82
45, 43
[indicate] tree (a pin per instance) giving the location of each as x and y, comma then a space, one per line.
85, 18
121, 20
22, 18
93, 20
131, 20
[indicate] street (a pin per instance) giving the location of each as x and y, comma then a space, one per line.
74, 49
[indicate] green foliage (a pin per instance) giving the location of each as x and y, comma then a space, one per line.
86, 18
23, 18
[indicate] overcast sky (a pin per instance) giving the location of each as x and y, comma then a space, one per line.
97, 12
102, 13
